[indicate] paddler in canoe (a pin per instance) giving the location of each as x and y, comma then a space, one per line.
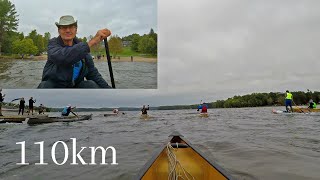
204, 109
67, 110
69, 62
41, 109
312, 105
144, 112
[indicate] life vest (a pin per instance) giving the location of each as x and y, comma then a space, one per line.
289, 96
204, 108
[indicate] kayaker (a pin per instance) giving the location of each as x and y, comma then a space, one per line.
66, 110
288, 100
144, 109
41, 109
69, 62
21, 106
115, 111
31, 101
203, 107
1, 101
312, 105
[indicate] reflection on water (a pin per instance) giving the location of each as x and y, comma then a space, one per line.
250, 143
26, 74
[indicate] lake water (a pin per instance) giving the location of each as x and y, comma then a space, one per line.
250, 143
26, 74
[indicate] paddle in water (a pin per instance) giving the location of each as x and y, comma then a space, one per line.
75, 114
298, 108
109, 62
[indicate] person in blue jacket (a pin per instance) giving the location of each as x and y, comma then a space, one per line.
67, 110
69, 63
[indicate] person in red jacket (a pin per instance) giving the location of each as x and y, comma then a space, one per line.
203, 107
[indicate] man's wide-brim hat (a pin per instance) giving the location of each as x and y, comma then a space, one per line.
66, 21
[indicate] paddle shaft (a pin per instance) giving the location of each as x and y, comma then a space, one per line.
109, 62
75, 114
298, 107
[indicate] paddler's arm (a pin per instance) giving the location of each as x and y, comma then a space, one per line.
93, 73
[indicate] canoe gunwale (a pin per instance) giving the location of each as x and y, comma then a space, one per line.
33, 121
155, 155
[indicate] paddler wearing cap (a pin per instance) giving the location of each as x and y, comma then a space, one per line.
66, 110
69, 63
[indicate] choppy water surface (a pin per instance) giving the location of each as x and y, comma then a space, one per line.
26, 74
249, 143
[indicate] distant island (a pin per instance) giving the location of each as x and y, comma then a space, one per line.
249, 100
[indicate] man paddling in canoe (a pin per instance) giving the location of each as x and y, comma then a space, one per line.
66, 110
69, 62
41, 109
288, 101
144, 109
1, 100
203, 107
312, 105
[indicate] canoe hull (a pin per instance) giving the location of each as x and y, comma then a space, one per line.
111, 114
144, 116
190, 158
305, 110
18, 118
59, 119
204, 115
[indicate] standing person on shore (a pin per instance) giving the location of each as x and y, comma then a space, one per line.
1, 101
31, 101
288, 101
144, 109
69, 62
21, 106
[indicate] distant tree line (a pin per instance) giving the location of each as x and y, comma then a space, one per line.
255, 100
266, 99
12, 42
145, 44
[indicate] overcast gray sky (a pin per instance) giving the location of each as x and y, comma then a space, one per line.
212, 49
122, 17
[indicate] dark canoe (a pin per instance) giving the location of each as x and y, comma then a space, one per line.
192, 160
18, 118
111, 114
59, 119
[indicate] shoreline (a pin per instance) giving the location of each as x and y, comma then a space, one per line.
121, 59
